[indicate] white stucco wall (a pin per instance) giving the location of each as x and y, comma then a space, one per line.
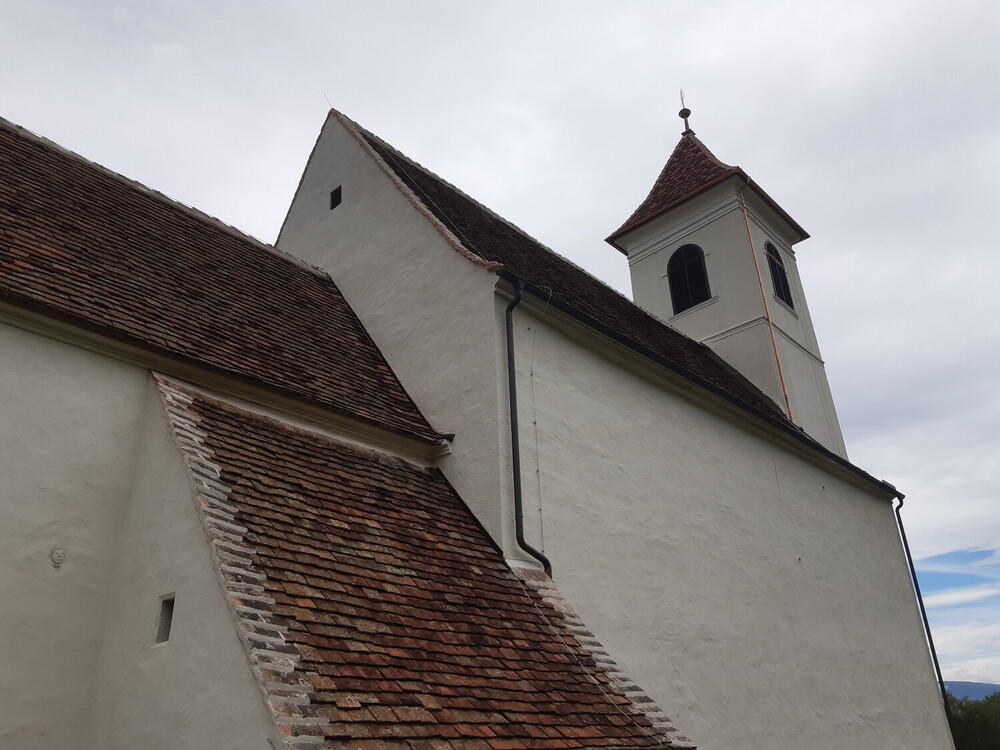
89, 469
809, 393
762, 601
196, 690
67, 447
427, 308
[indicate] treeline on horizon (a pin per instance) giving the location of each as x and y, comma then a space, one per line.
975, 724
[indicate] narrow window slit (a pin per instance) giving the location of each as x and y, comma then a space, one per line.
336, 195
166, 619
778, 276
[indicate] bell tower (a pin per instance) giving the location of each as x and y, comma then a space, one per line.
712, 254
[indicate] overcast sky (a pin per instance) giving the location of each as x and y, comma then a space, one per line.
875, 125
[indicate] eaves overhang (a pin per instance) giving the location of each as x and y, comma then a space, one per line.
29, 315
738, 173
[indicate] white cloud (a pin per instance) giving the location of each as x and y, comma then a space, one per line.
968, 642
963, 595
982, 563
985, 669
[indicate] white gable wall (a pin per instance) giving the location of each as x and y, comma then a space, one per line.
761, 600
426, 307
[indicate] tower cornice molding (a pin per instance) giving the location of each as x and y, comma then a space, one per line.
678, 232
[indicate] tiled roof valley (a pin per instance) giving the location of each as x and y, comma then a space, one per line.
375, 608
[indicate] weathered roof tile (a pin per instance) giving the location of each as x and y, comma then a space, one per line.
690, 170
409, 628
82, 244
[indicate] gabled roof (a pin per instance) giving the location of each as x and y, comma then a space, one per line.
495, 239
691, 170
379, 613
87, 246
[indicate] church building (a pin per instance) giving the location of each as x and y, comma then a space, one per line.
410, 480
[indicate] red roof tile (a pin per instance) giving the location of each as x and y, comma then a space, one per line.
371, 595
92, 248
690, 170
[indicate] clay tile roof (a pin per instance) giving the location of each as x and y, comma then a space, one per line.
495, 239
378, 612
690, 170
89, 247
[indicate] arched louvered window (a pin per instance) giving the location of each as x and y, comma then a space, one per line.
778, 276
687, 277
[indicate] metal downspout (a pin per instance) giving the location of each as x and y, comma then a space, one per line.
515, 446
923, 612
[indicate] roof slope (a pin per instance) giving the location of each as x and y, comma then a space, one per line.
496, 239
92, 248
691, 169
377, 610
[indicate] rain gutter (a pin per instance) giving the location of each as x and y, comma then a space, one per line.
923, 612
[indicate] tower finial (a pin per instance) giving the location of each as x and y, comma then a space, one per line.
685, 113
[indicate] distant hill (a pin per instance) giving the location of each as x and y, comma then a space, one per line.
974, 690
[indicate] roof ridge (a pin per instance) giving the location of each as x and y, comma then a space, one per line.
436, 176
542, 245
361, 135
482, 206
192, 211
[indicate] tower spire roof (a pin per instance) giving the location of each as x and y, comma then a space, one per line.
691, 169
